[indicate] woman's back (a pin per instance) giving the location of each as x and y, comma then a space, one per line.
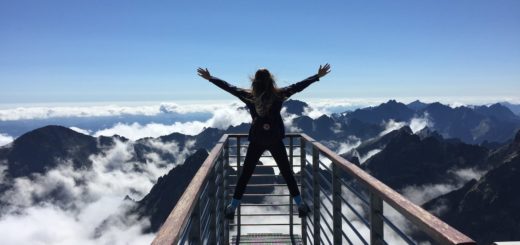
264, 101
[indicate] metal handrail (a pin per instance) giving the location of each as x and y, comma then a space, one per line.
190, 222
436, 229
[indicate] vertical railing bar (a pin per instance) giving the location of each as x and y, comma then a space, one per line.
195, 230
316, 193
376, 222
336, 204
238, 174
213, 204
225, 164
302, 176
290, 198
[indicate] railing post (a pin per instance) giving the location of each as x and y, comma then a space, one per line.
336, 204
224, 228
290, 198
303, 162
212, 203
316, 194
376, 221
195, 231
239, 172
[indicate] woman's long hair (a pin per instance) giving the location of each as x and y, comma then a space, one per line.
264, 90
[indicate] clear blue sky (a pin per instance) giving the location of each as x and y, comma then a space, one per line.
52, 51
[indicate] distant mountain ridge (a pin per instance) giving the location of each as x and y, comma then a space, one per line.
471, 124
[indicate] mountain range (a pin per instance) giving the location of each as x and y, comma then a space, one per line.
404, 145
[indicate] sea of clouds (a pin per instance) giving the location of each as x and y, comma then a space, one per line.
85, 206
92, 206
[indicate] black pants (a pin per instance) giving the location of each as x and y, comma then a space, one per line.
254, 151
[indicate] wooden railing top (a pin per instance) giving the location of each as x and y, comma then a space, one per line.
172, 228
433, 226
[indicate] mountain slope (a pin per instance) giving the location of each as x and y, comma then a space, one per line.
44, 148
409, 160
488, 209
163, 196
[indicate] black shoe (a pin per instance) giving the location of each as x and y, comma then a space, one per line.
303, 210
229, 212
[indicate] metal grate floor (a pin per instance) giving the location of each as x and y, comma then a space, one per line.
267, 238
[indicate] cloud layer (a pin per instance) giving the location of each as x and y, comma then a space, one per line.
44, 112
85, 206
5, 139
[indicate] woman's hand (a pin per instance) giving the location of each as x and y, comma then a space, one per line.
204, 73
324, 70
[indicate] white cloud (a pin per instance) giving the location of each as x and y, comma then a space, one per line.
418, 123
288, 121
421, 194
424, 193
467, 174
315, 112
43, 112
5, 139
415, 124
391, 125
352, 143
90, 207
136, 131
80, 130
51, 225
369, 154
3, 170
222, 118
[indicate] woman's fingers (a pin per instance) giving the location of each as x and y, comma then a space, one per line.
324, 70
204, 73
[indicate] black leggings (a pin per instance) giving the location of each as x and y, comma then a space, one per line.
254, 151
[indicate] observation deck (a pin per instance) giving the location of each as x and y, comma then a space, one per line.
348, 206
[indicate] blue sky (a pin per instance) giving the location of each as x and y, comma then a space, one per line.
88, 51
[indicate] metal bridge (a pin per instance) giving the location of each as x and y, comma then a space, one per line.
348, 206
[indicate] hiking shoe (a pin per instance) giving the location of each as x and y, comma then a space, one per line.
229, 212
303, 210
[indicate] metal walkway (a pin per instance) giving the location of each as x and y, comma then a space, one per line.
268, 238
348, 206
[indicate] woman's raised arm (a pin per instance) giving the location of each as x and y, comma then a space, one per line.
299, 86
236, 91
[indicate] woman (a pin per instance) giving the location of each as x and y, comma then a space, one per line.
264, 101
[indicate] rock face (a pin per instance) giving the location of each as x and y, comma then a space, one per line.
163, 196
43, 148
494, 123
488, 209
417, 105
295, 107
384, 112
409, 160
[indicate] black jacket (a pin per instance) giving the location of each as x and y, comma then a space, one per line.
276, 129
